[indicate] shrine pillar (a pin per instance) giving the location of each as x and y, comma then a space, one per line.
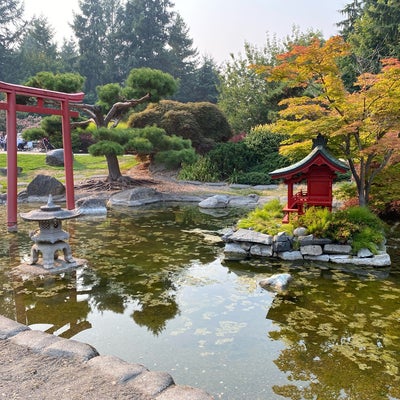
12, 168
68, 156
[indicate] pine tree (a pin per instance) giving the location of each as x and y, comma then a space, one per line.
38, 50
145, 33
11, 27
95, 29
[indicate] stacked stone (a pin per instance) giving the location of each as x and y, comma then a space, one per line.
245, 243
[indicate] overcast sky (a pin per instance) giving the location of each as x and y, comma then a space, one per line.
221, 27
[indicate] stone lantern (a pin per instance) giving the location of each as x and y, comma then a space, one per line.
50, 238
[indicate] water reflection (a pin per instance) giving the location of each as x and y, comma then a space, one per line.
156, 291
58, 297
341, 338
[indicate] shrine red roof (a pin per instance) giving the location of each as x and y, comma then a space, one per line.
318, 156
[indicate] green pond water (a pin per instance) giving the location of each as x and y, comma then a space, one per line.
156, 291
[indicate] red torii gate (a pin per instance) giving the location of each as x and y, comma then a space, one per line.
53, 98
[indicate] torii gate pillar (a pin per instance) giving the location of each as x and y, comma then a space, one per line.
60, 99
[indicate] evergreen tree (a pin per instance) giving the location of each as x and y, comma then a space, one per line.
11, 27
145, 25
38, 50
372, 28
205, 82
351, 12
181, 58
68, 56
96, 28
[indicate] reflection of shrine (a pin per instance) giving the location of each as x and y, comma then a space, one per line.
318, 169
57, 305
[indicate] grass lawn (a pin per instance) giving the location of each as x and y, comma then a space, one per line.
85, 166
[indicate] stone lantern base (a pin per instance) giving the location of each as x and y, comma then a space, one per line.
27, 270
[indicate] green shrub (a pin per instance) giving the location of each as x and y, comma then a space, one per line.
317, 220
367, 238
175, 158
267, 219
385, 193
201, 170
357, 226
32, 134
345, 191
260, 139
81, 141
230, 157
250, 178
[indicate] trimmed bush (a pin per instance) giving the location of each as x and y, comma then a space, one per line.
202, 123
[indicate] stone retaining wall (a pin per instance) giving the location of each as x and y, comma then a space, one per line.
245, 243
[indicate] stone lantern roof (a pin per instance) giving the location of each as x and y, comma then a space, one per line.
49, 212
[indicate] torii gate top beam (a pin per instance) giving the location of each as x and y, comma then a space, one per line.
11, 106
37, 92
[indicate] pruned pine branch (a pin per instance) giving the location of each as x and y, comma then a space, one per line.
115, 114
78, 124
93, 111
117, 109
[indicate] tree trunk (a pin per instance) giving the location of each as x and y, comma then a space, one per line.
114, 173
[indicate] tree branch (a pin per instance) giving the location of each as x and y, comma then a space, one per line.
118, 108
93, 111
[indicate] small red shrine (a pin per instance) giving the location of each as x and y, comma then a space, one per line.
318, 169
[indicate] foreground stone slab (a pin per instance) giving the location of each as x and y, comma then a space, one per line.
120, 370
67, 366
183, 393
35, 340
152, 383
9, 328
71, 348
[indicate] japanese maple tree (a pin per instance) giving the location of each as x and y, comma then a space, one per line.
362, 125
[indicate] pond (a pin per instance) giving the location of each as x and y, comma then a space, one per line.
157, 291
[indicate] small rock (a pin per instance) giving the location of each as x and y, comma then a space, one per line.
364, 253
277, 282
261, 250
311, 250
300, 231
234, 251
337, 249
